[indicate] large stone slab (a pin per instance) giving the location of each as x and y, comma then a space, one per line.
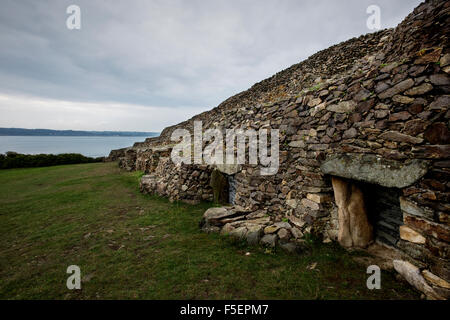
354, 227
435, 280
373, 169
411, 235
217, 213
229, 169
269, 240
218, 216
411, 208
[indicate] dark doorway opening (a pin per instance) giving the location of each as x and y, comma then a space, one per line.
384, 213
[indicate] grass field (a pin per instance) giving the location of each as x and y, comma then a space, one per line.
133, 246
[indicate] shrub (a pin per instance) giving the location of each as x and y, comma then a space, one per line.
16, 160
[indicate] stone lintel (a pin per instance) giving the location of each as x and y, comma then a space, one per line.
374, 169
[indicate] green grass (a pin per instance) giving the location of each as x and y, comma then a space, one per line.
133, 246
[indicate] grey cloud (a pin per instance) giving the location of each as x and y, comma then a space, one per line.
175, 54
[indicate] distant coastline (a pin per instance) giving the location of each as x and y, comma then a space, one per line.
73, 133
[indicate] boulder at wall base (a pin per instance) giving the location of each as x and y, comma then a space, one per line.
219, 184
354, 227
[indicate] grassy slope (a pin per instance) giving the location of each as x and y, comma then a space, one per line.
131, 246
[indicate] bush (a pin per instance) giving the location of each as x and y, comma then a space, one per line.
16, 160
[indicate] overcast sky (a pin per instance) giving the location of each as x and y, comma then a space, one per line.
144, 65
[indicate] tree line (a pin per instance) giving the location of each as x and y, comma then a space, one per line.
16, 160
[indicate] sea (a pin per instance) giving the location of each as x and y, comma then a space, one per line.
87, 146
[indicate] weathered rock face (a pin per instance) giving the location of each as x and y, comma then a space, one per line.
147, 159
411, 235
378, 102
413, 275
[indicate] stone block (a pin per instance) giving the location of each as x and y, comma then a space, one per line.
373, 169
269, 240
343, 107
436, 230
310, 204
271, 229
412, 208
398, 88
239, 233
432, 151
413, 275
292, 203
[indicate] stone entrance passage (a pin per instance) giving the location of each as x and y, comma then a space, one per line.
367, 194
384, 213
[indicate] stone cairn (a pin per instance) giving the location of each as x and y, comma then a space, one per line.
373, 109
